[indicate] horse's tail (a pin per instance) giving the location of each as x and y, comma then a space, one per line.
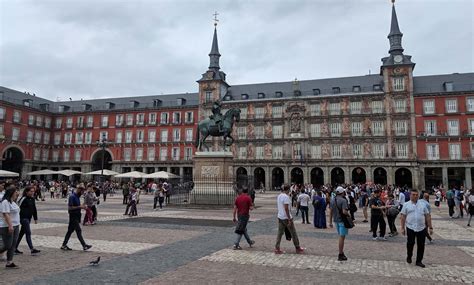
198, 133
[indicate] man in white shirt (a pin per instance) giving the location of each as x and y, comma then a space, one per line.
401, 198
303, 201
415, 217
285, 220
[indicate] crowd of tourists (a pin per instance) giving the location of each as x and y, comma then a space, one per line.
386, 203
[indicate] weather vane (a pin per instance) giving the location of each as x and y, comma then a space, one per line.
215, 18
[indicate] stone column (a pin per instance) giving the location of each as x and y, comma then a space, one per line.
347, 175
445, 178
390, 178
327, 174
369, 176
287, 175
468, 183
268, 178
421, 178
416, 179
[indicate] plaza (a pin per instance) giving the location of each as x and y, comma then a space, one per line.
194, 246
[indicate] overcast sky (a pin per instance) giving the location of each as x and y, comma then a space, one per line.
90, 49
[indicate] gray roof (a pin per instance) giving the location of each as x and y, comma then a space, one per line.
422, 85
306, 87
435, 83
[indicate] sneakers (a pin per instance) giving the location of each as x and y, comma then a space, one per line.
12, 266
252, 242
86, 247
237, 247
18, 252
35, 251
383, 238
342, 257
65, 247
390, 235
375, 238
278, 251
299, 250
365, 221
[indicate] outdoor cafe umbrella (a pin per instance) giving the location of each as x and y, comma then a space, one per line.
4, 173
106, 172
132, 174
68, 172
162, 175
42, 172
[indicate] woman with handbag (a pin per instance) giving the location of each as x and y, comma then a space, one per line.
392, 213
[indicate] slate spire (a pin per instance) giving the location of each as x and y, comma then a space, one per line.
214, 55
395, 36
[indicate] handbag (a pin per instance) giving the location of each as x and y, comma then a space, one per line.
393, 211
346, 220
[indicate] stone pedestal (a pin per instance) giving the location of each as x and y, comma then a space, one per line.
213, 178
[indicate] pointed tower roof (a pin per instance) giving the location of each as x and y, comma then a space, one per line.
394, 29
214, 55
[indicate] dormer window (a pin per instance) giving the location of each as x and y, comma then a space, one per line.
44, 107
355, 88
278, 94
448, 86
27, 102
157, 103
86, 107
377, 87
63, 108
261, 95
316, 91
109, 105
181, 101
245, 96
336, 90
134, 104
228, 97
297, 93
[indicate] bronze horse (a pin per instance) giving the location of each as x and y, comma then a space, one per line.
207, 127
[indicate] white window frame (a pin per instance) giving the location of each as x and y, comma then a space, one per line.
357, 151
431, 127
335, 129
451, 105
452, 127
152, 136
315, 109
315, 130
140, 136
334, 108
378, 128
470, 104
356, 129
277, 131
128, 136
277, 111
188, 153
377, 107
118, 136
336, 151
139, 154
176, 135
163, 154
355, 107
15, 134
189, 135
398, 83
400, 105
432, 151
164, 118
150, 153
104, 121
315, 151
164, 136
401, 150
277, 152
455, 151
429, 107
152, 118
401, 127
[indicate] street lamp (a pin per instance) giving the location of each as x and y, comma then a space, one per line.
102, 143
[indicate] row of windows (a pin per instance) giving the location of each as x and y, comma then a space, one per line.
43, 155
127, 120
452, 128
127, 136
451, 105
454, 150
336, 151
398, 85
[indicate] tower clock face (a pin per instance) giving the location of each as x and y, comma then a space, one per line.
398, 58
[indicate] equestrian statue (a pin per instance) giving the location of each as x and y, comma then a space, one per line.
217, 125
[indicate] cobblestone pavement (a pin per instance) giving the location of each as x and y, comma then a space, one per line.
180, 245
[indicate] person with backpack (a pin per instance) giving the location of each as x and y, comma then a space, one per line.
339, 212
392, 213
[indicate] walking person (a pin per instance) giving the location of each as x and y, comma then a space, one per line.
303, 201
470, 202
414, 219
426, 201
438, 197
451, 204
364, 204
392, 213
319, 204
89, 200
133, 203
339, 207
156, 195
242, 206
285, 221
74, 210
377, 209
27, 206
125, 193
9, 224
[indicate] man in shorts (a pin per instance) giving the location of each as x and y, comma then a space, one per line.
339, 206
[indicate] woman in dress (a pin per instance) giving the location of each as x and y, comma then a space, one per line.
319, 204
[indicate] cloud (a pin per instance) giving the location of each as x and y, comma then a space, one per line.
92, 49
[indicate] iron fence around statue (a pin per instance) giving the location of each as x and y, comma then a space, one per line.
213, 191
